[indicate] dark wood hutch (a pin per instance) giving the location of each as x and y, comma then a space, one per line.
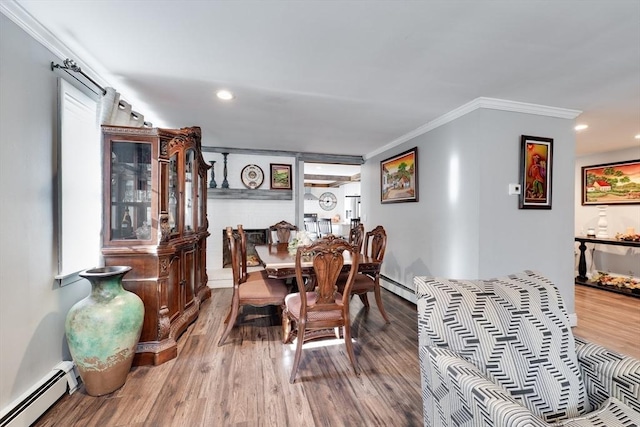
155, 220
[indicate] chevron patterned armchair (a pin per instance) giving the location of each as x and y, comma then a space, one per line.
501, 353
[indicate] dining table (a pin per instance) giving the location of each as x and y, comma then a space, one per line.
280, 263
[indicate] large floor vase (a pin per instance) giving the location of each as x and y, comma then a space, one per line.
103, 330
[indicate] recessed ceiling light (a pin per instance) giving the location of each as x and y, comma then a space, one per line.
637, 136
224, 95
581, 127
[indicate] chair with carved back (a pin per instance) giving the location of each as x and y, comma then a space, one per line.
375, 244
254, 289
282, 231
323, 311
324, 227
356, 236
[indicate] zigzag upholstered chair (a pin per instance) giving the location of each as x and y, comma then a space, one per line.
501, 353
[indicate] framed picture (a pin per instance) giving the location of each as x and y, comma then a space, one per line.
280, 177
611, 183
536, 155
399, 178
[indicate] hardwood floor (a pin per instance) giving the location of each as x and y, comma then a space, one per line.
245, 382
609, 319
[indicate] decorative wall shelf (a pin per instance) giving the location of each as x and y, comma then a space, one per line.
245, 193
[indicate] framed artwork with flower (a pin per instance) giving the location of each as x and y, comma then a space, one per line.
536, 172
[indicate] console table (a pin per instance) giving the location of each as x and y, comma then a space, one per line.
582, 263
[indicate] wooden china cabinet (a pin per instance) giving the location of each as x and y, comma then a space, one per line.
155, 220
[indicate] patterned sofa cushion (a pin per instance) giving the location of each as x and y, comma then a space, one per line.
515, 330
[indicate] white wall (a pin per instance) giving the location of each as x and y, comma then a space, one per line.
250, 213
32, 307
313, 206
465, 225
613, 259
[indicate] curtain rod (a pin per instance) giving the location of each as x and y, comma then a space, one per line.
69, 64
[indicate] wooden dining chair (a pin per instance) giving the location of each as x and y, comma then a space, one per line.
356, 236
322, 311
254, 289
324, 227
375, 244
282, 231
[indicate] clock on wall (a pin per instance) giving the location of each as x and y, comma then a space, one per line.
328, 201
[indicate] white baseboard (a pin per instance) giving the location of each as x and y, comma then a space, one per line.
573, 319
35, 401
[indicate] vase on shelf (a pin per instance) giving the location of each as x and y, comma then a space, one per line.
602, 222
103, 330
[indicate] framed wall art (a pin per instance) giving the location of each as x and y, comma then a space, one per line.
536, 172
611, 183
280, 177
399, 178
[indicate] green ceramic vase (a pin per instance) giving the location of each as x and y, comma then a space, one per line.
103, 330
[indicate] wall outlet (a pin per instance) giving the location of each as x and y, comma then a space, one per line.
514, 189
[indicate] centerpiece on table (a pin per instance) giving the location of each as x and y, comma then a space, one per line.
302, 238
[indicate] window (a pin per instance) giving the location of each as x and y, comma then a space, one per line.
79, 184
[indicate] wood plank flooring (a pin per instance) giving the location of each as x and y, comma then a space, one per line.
246, 382
609, 319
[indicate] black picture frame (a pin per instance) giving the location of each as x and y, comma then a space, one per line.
399, 178
536, 172
280, 176
616, 183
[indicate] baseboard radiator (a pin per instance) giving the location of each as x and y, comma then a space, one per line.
35, 401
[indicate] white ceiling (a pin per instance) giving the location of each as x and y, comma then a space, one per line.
349, 77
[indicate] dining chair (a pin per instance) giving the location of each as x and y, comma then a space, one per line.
254, 289
324, 227
375, 244
282, 231
356, 236
311, 225
354, 222
323, 311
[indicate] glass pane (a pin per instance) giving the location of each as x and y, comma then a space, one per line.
173, 193
130, 190
188, 190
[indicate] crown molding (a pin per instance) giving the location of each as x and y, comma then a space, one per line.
15, 12
28, 23
482, 102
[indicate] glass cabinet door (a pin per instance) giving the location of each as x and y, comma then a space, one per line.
173, 193
199, 199
130, 191
188, 189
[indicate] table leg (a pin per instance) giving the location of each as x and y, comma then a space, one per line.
582, 264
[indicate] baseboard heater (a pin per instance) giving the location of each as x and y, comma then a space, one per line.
398, 288
35, 401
